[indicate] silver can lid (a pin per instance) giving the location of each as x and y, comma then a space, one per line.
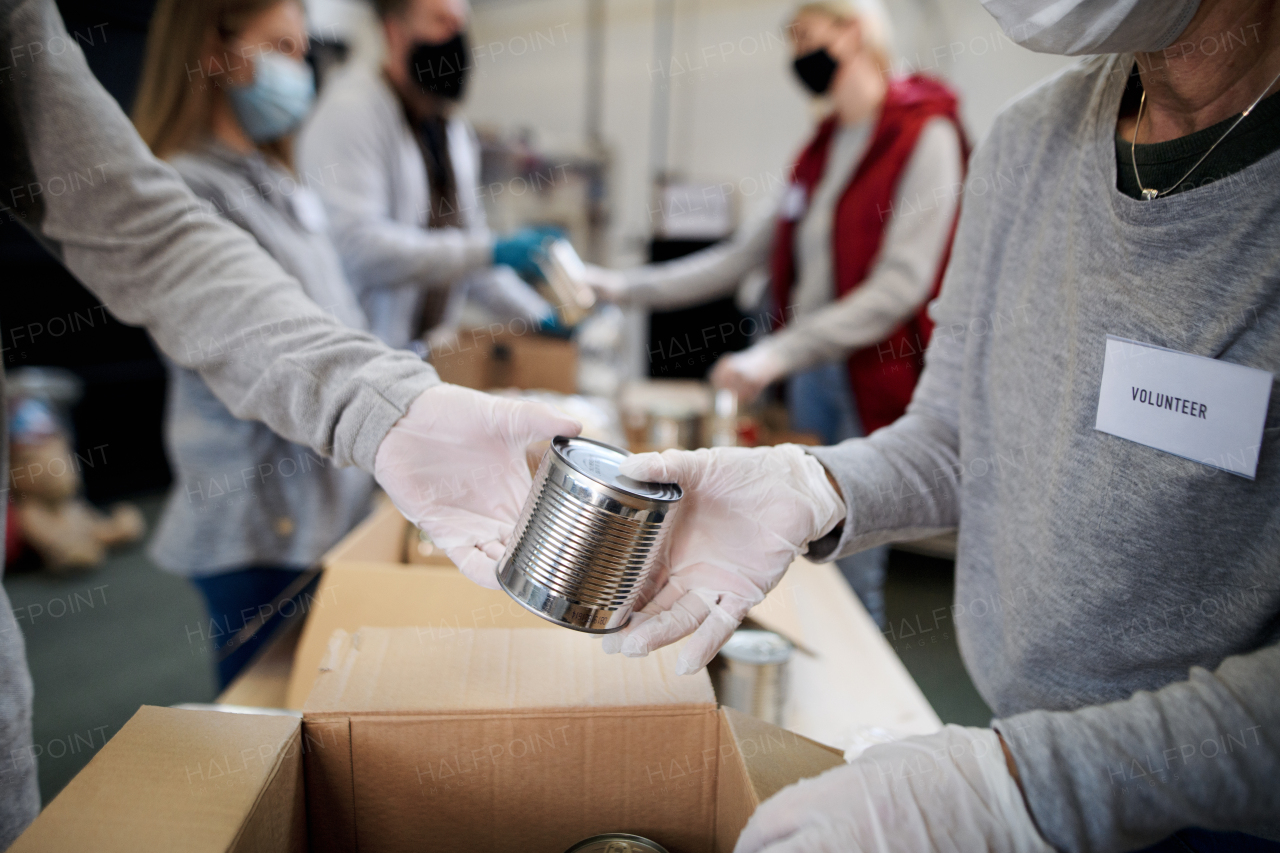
600, 461
757, 647
616, 842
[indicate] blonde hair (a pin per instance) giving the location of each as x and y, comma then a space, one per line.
876, 30
174, 105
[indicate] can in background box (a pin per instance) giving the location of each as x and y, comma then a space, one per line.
753, 678
587, 538
616, 843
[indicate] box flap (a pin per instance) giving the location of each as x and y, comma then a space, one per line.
390, 670
757, 760
379, 538
196, 781
774, 757
440, 601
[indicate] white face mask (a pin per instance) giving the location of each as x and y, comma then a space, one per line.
1074, 27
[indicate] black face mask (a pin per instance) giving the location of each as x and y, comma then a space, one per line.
816, 70
440, 68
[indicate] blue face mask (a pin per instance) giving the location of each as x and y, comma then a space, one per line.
277, 100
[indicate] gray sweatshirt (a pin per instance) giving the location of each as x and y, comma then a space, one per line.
243, 495
74, 173
1117, 606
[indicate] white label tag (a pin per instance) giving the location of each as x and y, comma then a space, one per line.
794, 203
1198, 408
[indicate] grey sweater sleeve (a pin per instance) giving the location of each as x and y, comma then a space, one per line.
125, 225
1203, 752
709, 274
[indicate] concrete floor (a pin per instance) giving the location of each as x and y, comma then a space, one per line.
102, 644
918, 595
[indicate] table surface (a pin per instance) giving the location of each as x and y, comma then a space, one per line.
852, 690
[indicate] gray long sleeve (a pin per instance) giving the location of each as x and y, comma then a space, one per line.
1121, 776
709, 274
128, 228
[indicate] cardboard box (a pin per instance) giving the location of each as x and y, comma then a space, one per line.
367, 582
852, 686
195, 781
492, 740
529, 740
496, 358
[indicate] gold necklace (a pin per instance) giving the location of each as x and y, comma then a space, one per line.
1148, 193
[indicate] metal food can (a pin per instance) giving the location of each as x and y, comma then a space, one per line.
753, 678
566, 276
616, 842
587, 538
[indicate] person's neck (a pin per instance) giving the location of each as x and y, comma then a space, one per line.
1219, 66
225, 128
419, 105
859, 92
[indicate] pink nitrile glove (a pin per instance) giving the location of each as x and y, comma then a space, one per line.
745, 515
948, 792
455, 465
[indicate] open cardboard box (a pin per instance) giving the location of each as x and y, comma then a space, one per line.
849, 687
489, 740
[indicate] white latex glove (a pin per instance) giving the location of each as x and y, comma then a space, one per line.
609, 285
949, 791
455, 466
745, 515
749, 372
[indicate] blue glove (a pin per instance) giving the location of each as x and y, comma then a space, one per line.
520, 249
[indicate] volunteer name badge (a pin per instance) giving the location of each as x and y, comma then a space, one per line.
1198, 408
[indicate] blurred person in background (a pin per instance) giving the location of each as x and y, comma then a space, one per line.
227, 128
404, 200
453, 460
856, 247
1116, 602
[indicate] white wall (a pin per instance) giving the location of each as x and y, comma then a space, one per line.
736, 113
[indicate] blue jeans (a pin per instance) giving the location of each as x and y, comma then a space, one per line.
820, 401
233, 599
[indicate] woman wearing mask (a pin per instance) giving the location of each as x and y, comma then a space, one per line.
224, 86
856, 247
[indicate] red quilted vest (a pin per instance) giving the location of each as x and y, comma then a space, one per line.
883, 376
